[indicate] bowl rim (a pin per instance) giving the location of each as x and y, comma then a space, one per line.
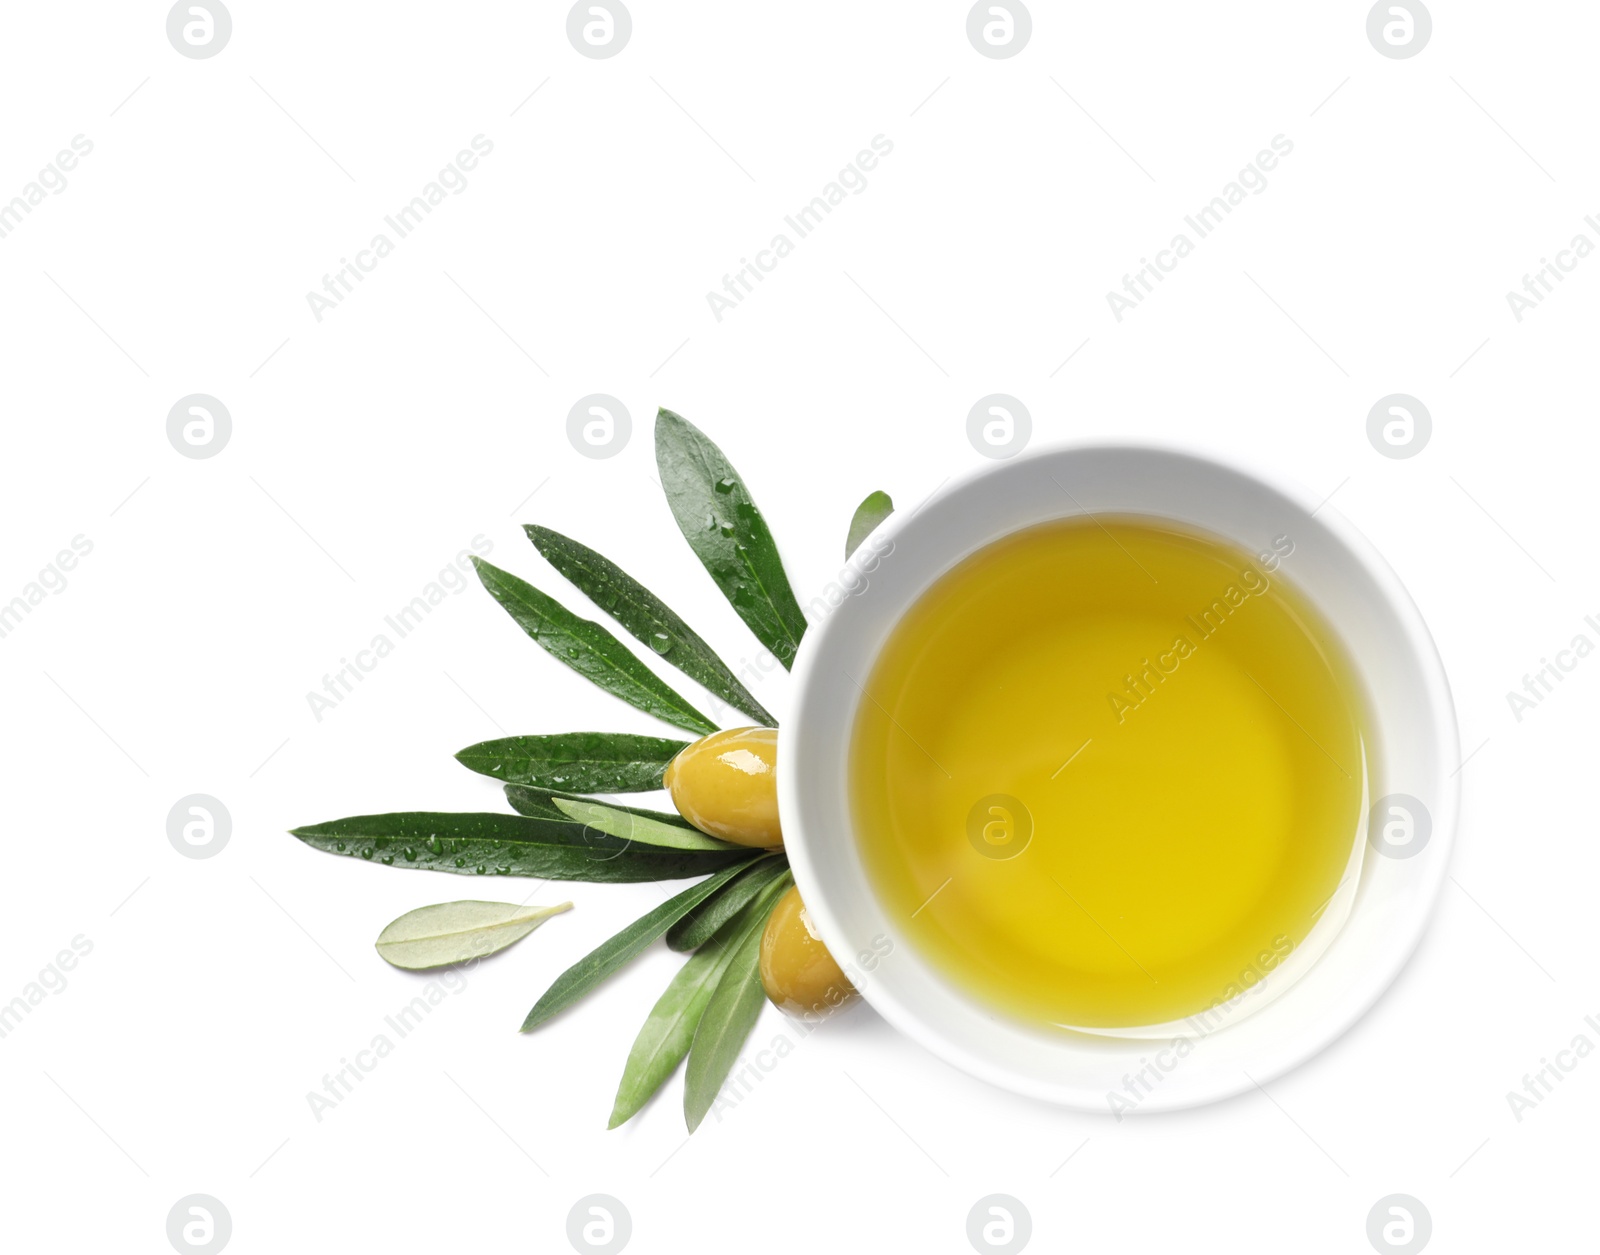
1444, 792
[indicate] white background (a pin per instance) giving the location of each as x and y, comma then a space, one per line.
370, 448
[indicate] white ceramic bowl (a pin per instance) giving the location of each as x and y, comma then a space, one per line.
1416, 752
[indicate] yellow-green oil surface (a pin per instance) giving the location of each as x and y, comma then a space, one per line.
1108, 772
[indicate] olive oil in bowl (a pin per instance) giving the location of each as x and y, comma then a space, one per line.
1110, 772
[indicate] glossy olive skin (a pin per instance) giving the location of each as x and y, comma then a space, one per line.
727, 784
797, 972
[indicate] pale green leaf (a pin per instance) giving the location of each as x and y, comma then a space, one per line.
670, 1028
869, 514
630, 826
452, 932
729, 1016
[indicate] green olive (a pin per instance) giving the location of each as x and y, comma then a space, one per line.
798, 973
727, 784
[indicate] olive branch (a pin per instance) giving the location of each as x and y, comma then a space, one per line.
560, 831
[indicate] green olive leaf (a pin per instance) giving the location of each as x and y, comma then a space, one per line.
668, 1032
670, 1028
874, 508
719, 519
631, 826
577, 762
646, 617
729, 1016
589, 649
611, 954
490, 844
701, 924
539, 803
452, 932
